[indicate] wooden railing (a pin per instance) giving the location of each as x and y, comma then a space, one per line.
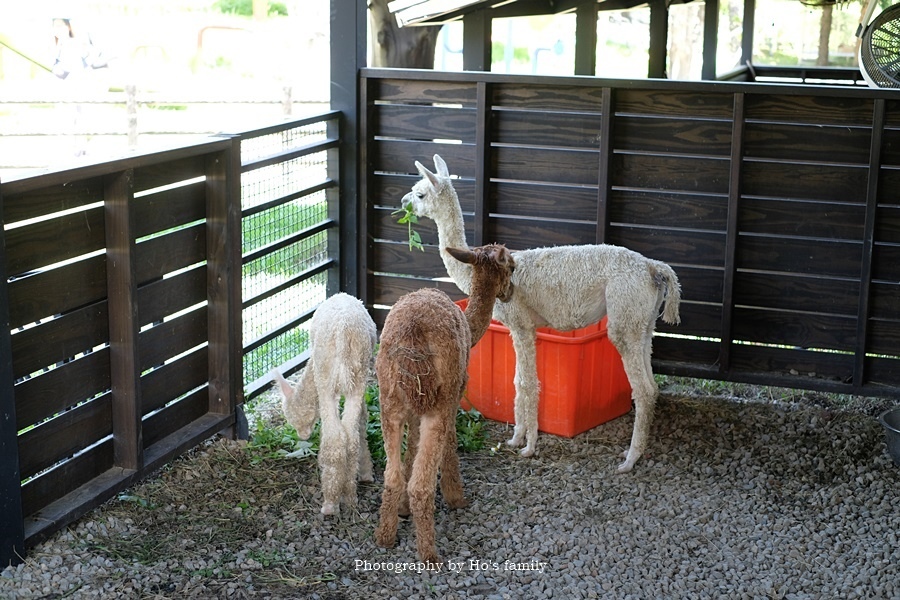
777, 206
121, 289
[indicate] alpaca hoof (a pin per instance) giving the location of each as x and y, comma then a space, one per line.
366, 477
527, 451
625, 467
384, 539
432, 561
330, 508
458, 503
516, 440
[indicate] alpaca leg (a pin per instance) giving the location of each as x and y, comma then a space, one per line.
353, 407
366, 473
451, 479
422, 485
332, 459
635, 359
527, 390
394, 482
412, 446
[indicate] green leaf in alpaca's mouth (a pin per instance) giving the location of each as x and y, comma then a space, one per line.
409, 218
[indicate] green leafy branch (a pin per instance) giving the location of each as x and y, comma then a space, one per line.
409, 218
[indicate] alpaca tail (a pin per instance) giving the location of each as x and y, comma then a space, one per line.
667, 281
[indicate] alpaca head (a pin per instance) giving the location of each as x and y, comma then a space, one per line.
431, 193
493, 265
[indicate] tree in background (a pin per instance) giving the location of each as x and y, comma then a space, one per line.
401, 47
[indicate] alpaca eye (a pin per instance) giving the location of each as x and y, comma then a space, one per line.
420, 196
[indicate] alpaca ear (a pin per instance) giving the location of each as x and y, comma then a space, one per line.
431, 177
462, 255
440, 166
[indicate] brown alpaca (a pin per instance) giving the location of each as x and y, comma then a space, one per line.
421, 368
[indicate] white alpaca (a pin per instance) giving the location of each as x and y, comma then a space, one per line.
565, 287
342, 338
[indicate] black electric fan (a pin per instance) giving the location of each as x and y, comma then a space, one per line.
879, 50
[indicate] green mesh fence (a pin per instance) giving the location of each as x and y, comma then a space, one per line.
279, 201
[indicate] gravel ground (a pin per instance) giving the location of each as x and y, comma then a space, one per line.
735, 499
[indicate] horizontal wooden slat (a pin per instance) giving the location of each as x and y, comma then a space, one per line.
803, 330
64, 435
519, 234
883, 375
831, 144
812, 109
884, 338
669, 136
60, 339
166, 383
167, 173
823, 183
545, 201
684, 174
791, 292
541, 128
57, 291
419, 122
800, 256
173, 417
885, 300
51, 241
890, 147
52, 392
546, 97
170, 208
691, 211
675, 103
389, 289
65, 478
164, 297
677, 353
173, 337
52, 199
700, 284
399, 259
819, 219
700, 320
547, 165
792, 367
698, 248
165, 254
393, 156
887, 223
418, 91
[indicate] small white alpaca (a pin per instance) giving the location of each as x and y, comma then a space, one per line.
342, 339
421, 368
565, 287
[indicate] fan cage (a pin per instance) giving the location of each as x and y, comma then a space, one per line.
879, 53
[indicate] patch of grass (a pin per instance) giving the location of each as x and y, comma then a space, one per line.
278, 440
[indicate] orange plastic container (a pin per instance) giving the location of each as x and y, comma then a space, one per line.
583, 383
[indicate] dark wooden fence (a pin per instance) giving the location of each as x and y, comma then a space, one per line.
777, 205
121, 289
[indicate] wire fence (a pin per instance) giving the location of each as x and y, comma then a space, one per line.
285, 190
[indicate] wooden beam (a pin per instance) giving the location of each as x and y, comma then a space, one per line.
349, 32
868, 242
477, 41
482, 163
124, 355
710, 37
586, 38
223, 219
12, 533
731, 231
604, 185
747, 31
659, 36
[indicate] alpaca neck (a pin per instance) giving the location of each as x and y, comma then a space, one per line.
479, 309
452, 234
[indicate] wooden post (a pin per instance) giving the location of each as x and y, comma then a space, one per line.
477, 41
710, 38
12, 528
482, 164
586, 38
747, 31
125, 370
223, 269
349, 28
659, 36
